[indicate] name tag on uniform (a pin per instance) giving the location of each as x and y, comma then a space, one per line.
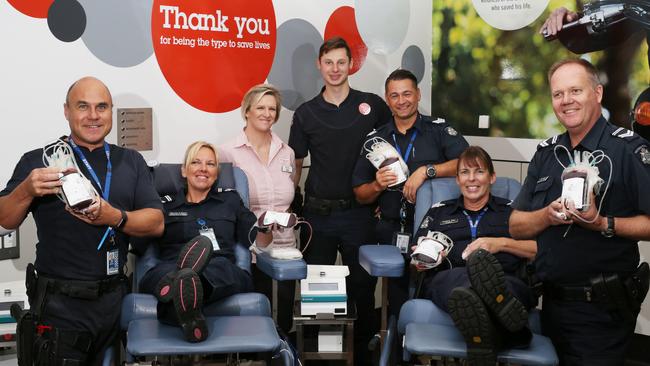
287, 169
402, 240
209, 233
448, 222
113, 262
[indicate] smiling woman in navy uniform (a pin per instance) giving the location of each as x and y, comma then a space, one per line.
202, 227
483, 295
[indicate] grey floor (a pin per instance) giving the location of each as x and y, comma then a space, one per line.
8, 357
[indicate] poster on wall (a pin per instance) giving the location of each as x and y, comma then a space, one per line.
509, 14
211, 52
491, 60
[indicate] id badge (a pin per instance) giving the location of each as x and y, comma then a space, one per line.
208, 232
402, 241
112, 262
287, 169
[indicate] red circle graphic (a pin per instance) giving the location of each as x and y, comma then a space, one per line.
32, 8
342, 23
212, 52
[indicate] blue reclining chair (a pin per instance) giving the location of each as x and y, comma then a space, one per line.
240, 323
421, 318
427, 330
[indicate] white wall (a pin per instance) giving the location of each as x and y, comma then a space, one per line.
37, 69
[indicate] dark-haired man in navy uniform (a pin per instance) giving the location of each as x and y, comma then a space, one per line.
430, 148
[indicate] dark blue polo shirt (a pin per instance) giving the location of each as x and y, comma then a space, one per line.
436, 142
67, 246
448, 218
582, 253
224, 212
332, 135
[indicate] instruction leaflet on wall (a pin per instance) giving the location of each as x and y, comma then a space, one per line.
135, 128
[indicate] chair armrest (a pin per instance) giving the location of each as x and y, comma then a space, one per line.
243, 257
138, 306
381, 260
421, 311
282, 269
144, 263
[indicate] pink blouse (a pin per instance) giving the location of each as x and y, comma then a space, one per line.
270, 185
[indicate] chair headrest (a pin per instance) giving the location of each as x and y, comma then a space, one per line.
167, 178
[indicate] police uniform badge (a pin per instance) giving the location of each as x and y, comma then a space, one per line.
451, 131
425, 222
644, 154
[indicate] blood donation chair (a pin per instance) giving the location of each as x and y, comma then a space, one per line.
422, 327
240, 323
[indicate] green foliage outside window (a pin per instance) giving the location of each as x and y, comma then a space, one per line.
480, 70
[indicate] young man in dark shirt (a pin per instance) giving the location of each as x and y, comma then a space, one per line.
331, 129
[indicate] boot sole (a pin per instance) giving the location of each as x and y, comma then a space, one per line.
195, 254
188, 301
473, 321
488, 280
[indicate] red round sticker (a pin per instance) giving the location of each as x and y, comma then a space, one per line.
364, 108
212, 52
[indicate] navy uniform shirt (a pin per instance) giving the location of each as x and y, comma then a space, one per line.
436, 142
333, 136
448, 218
223, 212
67, 246
583, 253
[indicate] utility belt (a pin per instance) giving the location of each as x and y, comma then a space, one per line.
88, 290
324, 207
39, 343
622, 295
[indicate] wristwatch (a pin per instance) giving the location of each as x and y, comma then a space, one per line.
610, 231
431, 171
123, 219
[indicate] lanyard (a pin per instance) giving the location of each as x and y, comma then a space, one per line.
408, 149
106, 188
473, 225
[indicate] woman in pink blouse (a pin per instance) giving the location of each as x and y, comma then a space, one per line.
269, 164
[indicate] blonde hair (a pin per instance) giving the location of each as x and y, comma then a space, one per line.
193, 150
256, 93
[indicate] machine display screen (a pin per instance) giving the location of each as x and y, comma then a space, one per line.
323, 286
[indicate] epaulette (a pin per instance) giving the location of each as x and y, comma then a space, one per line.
438, 204
624, 133
425, 222
166, 198
220, 189
548, 142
